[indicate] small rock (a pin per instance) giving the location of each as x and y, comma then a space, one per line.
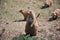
7, 23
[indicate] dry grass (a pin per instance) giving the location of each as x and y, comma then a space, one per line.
9, 12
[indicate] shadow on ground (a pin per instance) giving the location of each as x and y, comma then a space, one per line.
51, 19
18, 20
3, 30
44, 7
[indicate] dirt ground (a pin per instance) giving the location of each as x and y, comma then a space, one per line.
9, 12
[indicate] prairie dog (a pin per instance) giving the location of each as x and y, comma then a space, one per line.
25, 13
56, 13
31, 25
48, 3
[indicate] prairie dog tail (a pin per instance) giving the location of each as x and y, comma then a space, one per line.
37, 15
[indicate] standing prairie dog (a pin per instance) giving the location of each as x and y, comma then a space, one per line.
25, 13
31, 25
56, 13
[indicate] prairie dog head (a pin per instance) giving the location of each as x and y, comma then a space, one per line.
56, 13
30, 17
24, 11
54, 16
48, 2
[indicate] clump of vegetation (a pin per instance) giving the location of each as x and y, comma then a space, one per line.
25, 37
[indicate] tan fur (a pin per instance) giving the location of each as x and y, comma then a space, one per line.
56, 12
31, 26
25, 13
48, 2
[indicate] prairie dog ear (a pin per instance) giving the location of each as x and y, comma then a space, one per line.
29, 11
